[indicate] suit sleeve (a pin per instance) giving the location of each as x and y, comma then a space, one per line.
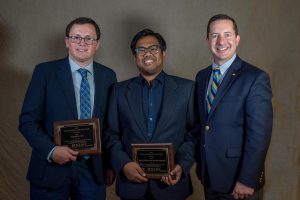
259, 118
113, 134
33, 115
185, 156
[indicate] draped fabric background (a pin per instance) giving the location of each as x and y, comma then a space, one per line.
32, 31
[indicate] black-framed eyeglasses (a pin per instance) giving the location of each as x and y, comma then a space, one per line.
77, 39
154, 49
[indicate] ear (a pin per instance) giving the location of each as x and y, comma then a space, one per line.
67, 42
135, 58
98, 44
237, 40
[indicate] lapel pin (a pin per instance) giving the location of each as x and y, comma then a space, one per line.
233, 74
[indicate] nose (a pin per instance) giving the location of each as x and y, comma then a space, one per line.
221, 39
82, 42
147, 53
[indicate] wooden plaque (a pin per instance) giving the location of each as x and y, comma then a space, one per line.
156, 159
80, 135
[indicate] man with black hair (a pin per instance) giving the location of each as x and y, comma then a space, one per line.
153, 107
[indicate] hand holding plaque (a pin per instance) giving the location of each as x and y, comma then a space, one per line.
156, 159
80, 135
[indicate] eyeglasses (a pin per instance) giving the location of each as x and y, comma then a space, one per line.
154, 49
77, 39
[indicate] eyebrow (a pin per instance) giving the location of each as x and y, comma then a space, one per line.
148, 46
222, 33
78, 35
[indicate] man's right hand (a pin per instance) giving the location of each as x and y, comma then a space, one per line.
62, 155
134, 172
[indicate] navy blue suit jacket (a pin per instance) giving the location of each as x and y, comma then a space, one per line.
235, 135
50, 97
127, 125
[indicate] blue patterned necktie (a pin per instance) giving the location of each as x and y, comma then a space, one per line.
213, 89
85, 97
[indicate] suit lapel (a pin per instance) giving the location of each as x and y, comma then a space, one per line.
99, 88
168, 104
134, 98
64, 76
203, 86
232, 73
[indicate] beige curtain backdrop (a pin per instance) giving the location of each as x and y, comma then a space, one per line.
32, 31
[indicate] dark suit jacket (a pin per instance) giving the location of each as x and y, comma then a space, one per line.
126, 125
236, 134
50, 97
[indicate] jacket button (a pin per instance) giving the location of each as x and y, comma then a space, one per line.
206, 127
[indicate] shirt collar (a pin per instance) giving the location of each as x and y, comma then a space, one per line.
225, 66
74, 66
160, 78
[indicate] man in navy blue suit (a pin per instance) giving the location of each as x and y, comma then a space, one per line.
153, 107
58, 172
235, 110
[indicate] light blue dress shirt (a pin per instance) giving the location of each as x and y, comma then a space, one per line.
223, 70
77, 81
76, 76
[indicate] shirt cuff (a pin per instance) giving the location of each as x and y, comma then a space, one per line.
50, 155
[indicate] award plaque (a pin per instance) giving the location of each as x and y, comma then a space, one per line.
156, 159
80, 135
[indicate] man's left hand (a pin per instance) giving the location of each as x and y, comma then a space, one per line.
242, 191
174, 176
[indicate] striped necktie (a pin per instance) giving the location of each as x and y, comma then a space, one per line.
85, 97
213, 89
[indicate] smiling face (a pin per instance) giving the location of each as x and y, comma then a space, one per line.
82, 53
149, 64
222, 40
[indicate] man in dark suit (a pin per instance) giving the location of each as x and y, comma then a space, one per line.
152, 108
58, 172
235, 110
